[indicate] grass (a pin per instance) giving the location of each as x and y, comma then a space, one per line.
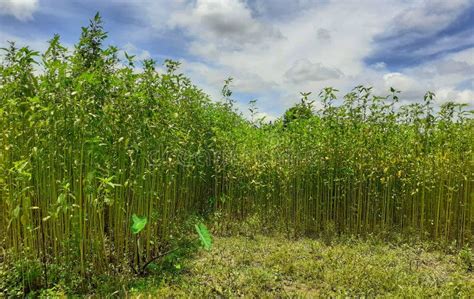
272, 266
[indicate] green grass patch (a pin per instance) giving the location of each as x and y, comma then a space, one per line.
277, 267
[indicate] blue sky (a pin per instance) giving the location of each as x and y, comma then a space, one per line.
276, 49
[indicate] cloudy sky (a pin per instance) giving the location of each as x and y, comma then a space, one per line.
276, 49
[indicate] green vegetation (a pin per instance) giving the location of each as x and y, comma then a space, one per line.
87, 143
268, 267
274, 266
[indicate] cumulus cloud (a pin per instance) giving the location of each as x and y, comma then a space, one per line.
411, 88
446, 94
225, 21
21, 9
399, 81
273, 69
274, 57
450, 78
305, 70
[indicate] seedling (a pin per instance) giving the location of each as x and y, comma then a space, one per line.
139, 223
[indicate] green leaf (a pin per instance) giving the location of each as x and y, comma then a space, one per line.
138, 223
16, 212
204, 236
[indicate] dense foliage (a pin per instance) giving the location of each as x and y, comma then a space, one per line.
87, 140
362, 166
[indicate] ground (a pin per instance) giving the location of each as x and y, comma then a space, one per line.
264, 267
274, 266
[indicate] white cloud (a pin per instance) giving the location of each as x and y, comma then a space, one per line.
273, 65
305, 70
399, 81
323, 45
21, 9
412, 89
449, 77
227, 22
446, 94
442, 76
265, 54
